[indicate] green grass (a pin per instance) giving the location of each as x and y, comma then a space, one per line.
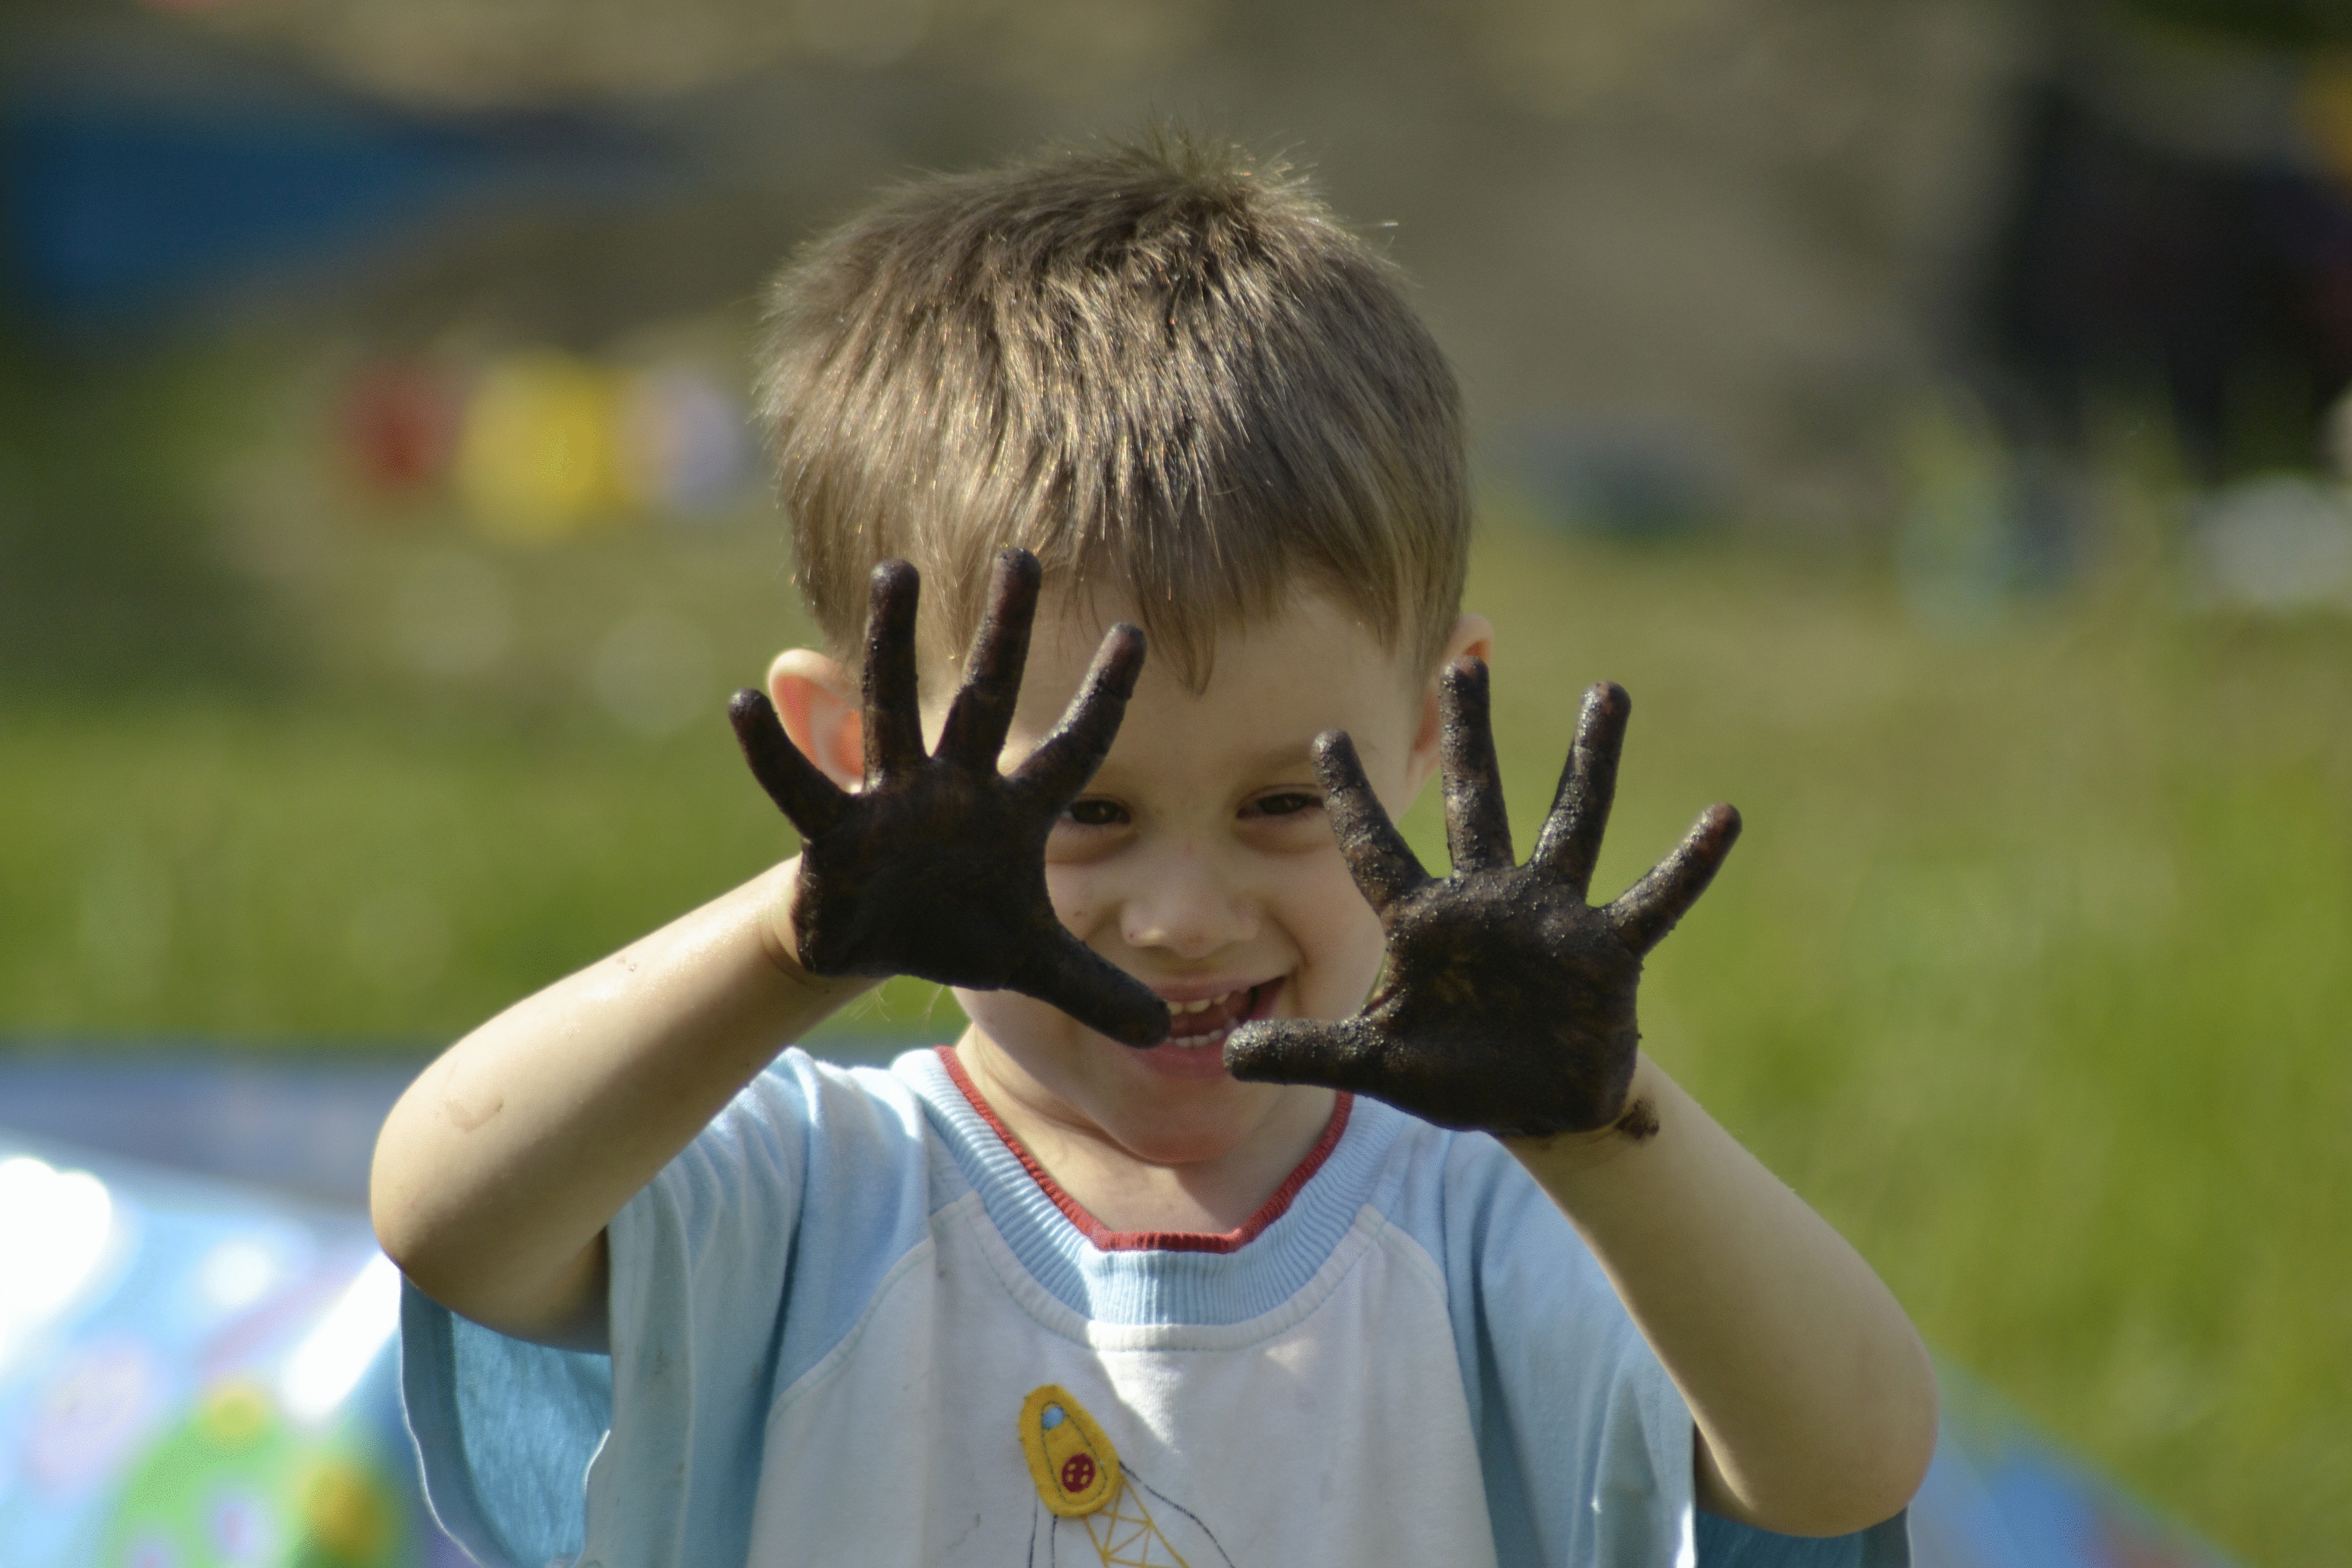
2031, 972
298, 874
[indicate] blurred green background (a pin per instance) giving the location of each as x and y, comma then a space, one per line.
2017, 622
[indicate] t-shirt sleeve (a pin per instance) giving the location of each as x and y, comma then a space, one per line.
1724, 1544
504, 1430
1585, 1442
516, 1437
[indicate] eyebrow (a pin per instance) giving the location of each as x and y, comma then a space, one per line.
1282, 756
1270, 759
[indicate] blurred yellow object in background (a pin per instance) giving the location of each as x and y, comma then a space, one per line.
232, 1416
2327, 111
538, 459
350, 1516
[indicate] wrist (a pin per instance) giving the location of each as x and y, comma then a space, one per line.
779, 944
1562, 1155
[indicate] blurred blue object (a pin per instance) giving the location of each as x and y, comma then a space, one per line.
119, 203
1999, 1495
303, 1126
1621, 475
197, 1372
300, 1125
194, 1374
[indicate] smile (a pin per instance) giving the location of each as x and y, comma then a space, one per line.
1198, 1024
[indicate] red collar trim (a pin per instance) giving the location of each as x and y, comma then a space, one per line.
1109, 1240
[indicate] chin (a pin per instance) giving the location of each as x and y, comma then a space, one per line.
1182, 1136
1166, 1104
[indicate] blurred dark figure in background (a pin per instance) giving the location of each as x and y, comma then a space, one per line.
2181, 232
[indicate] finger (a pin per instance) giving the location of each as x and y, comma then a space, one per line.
894, 707
1067, 758
1477, 824
1648, 909
1304, 1050
983, 711
1382, 863
1095, 991
813, 802
1569, 844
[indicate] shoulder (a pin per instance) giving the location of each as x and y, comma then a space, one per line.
799, 1114
805, 1147
1514, 1267
1570, 1408
798, 1198
1460, 1195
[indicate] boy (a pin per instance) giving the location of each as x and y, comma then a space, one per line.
1148, 1265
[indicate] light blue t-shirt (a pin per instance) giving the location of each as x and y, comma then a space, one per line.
852, 1324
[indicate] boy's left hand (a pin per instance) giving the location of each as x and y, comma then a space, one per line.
1506, 1002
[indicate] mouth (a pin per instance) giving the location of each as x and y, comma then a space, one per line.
1201, 1022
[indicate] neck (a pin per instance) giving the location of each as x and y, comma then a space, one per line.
1220, 1191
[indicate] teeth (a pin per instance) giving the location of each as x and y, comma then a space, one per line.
1241, 1001
1201, 1007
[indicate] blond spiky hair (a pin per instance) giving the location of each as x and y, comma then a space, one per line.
1165, 368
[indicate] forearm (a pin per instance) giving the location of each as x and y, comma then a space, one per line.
1814, 1396
498, 1170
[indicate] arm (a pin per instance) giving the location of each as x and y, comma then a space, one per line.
1507, 1003
1813, 1397
498, 1172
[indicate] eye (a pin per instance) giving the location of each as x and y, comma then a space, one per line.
1096, 813
1282, 803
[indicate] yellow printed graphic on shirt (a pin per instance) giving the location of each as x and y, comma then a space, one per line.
1081, 1481
1073, 1464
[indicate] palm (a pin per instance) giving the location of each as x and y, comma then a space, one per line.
1505, 1000
936, 865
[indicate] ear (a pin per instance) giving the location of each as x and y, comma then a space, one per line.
822, 713
1473, 637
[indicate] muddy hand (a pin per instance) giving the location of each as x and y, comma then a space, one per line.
936, 865
1506, 1001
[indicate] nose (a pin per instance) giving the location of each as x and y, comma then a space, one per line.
1184, 903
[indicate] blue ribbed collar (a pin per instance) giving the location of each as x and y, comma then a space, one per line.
1155, 1285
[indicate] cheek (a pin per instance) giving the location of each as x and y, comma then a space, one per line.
1078, 893
1338, 934
1009, 1015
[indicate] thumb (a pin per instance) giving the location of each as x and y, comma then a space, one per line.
1303, 1050
1090, 988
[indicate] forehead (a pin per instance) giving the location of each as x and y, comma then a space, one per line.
1275, 684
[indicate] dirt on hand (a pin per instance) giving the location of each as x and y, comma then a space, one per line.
1506, 1001
936, 865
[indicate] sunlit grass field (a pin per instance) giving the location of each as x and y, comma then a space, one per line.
2032, 970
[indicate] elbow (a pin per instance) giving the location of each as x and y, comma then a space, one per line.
1870, 1493
394, 1238
1859, 1475
418, 1208
1886, 1470
393, 1190
432, 1257
1907, 1442
410, 1253
402, 1221
390, 1211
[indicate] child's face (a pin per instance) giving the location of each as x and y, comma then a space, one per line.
1199, 859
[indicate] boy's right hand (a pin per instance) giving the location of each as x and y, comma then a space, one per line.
936, 865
